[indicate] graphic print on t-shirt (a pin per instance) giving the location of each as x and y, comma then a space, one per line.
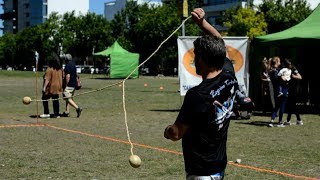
223, 109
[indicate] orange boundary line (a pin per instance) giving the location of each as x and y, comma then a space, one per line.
155, 148
22, 125
115, 140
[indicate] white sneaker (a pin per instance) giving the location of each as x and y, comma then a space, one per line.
281, 125
271, 123
299, 122
45, 115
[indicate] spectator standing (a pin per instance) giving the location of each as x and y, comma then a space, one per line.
52, 87
70, 78
293, 96
267, 87
280, 101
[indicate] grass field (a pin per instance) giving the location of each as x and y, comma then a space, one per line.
95, 146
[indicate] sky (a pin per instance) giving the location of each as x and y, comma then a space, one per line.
97, 5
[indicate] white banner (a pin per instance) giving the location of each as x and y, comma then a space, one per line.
236, 51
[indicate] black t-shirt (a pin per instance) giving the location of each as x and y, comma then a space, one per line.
71, 69
204, 144
228, 66
294, 84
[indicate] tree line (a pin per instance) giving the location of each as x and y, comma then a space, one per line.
139, 29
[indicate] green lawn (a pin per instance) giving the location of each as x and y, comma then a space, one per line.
95, 146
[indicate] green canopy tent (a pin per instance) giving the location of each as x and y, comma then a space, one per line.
301, 44
307, 31
122, 62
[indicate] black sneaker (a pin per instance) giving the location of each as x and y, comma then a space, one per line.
79, 111
64, 114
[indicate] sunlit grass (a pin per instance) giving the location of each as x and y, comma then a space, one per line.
95, 146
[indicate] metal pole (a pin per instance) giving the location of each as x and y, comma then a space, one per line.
183, 30
184, 14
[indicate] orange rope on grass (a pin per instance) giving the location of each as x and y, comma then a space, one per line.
154, 148
22, 125
113, 139
180, 153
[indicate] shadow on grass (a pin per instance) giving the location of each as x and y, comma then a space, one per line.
165, 110
34, 116
254, 123
261, 113
51, 116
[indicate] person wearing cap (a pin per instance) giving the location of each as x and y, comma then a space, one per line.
70, 80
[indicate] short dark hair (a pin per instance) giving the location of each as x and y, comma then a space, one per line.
211, 49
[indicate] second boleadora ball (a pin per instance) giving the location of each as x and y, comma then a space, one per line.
135, 161
26, 100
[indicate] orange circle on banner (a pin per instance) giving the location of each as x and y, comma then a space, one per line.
188, 62
233, 54
236, 57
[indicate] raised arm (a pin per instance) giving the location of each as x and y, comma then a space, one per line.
198, 17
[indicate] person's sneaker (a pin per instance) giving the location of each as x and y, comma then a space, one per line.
299, 122
65, 114
45, 115
281, 125
55, 116
79, 111
271, 123
287, 123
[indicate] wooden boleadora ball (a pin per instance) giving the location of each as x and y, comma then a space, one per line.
26, 100
135, 161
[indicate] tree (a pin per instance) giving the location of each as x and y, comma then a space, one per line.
28, 41
283, 14
244, 22
7, 49
80, 35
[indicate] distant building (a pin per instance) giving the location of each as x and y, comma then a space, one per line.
20, 14
215, 8
113, 7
